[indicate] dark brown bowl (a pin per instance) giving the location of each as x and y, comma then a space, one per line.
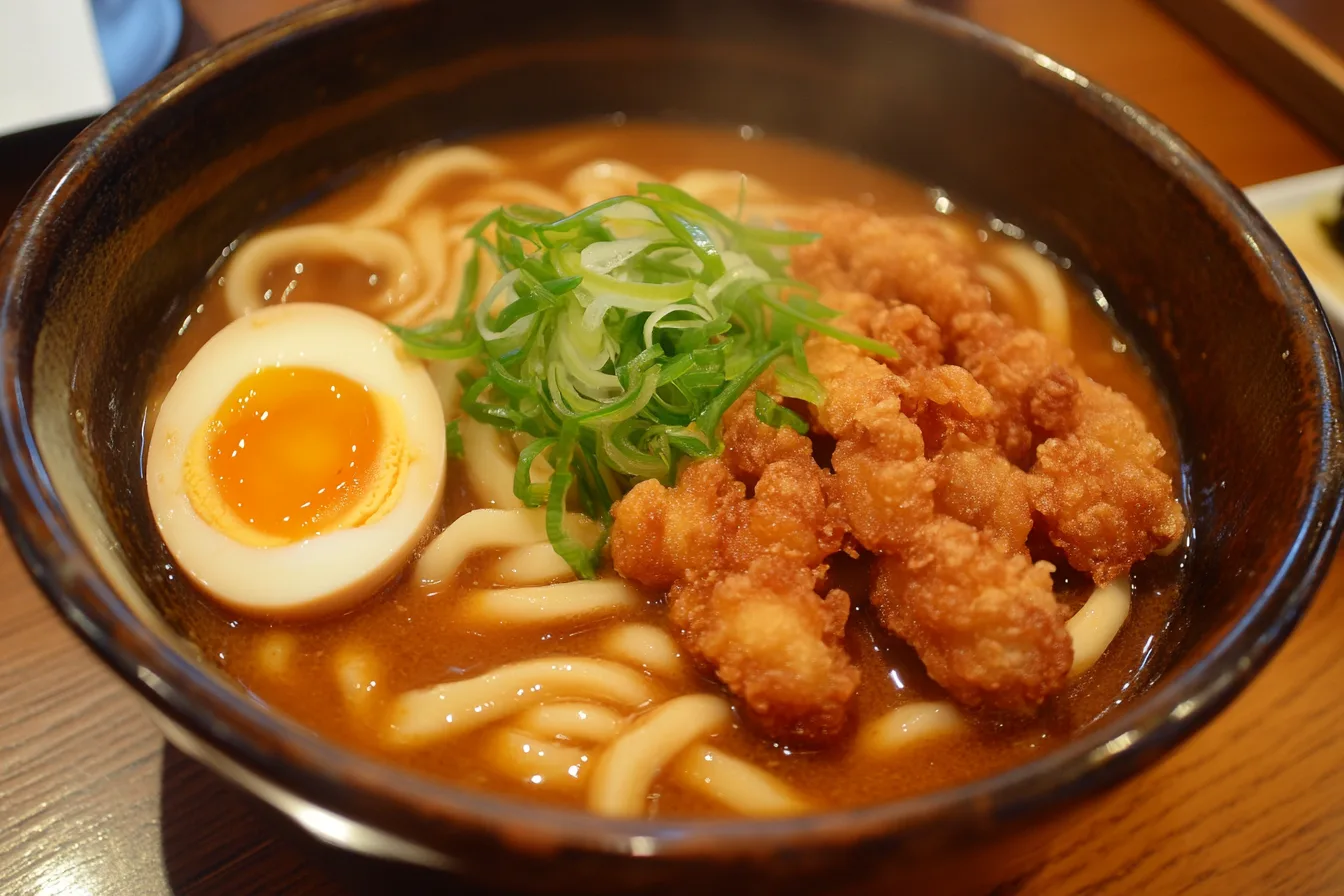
137, 208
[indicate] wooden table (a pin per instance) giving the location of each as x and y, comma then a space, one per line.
92, 802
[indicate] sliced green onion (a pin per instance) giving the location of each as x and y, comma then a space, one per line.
617, 337
772, 413
453, 436
530, 493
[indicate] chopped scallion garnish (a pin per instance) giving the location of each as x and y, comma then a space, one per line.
617, 337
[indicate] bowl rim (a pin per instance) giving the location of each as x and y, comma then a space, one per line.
1171, 710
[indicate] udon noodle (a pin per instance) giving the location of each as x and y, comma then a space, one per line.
489, 652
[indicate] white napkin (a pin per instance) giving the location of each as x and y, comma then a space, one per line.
51, 68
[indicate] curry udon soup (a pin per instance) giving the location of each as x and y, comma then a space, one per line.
664, 472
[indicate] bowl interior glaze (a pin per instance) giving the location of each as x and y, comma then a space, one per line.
139, 207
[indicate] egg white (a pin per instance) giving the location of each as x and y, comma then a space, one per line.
322, 573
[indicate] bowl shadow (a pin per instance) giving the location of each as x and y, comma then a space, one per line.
219, 840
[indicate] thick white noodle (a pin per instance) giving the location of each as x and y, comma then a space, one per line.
473, 531
529, 760
446, 383
458, 707
955, 230
1047, 285
533, 564
356, 676
541, 467
275, 652
523, 192
582, 723
742, 786
1096, 624
487, 272
644, 646
422, 173
437, 247
548, 604
625, 772
466, 213
568, 152
907, 725
603, 178
723, 189
1007, 292
373, 248
490, 463
777, 214
764, 205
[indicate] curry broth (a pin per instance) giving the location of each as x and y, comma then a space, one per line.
416, 638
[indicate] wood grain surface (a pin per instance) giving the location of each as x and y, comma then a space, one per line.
1293, 49
92, 803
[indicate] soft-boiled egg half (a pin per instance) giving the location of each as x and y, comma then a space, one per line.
297, 461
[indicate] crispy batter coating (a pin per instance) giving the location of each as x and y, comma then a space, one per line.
750, 445
857, 309
853, 382
949, 405
912, 261
950, 530
882, 479
912, 333
986, 626
1028, 376
743, 574
774, 643
708, 523
979, 486
1105, 501
930, 473
908, 260
659, 533
789, 515
905, 327
1095, 480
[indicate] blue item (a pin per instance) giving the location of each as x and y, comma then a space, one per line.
138, 38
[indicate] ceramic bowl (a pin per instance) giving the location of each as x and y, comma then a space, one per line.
137, 208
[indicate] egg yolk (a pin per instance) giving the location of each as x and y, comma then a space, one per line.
291, 453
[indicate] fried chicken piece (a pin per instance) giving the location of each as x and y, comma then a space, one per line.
949, 404
707, 522
986, 626
853, 382
912, 333
882, 479
774, 643
943, 400
659, 533
749, 445
1105, 502
1053, 404
912, 261
1094, 475
979, 613
1029, 377
789, 515
979, 486
886, 425
857, 309
904, 327
908, 260
743, 574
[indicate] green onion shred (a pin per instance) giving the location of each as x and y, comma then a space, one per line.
617, 337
